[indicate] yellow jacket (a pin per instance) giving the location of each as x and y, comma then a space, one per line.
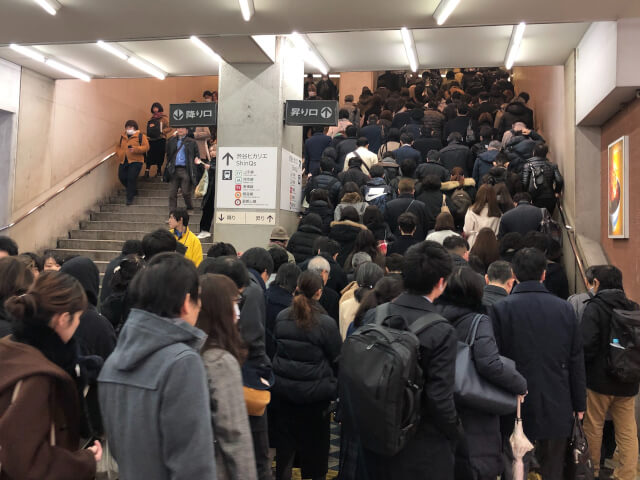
139, 144
194, 247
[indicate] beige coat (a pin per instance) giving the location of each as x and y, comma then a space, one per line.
348, 306
473, 223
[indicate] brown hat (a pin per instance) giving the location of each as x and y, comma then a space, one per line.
279, 233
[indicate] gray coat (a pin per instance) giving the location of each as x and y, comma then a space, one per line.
155, 401
234, 445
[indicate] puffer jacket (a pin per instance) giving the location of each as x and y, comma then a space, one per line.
457, 155
434, 120
484, 163
553, 181
325, 181
301, 242
355, 175
325, 211
516, 112
305, 360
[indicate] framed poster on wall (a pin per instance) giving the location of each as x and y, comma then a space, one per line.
618, 188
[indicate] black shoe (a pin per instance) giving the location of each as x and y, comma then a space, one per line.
129, 202
146, 174
159, 173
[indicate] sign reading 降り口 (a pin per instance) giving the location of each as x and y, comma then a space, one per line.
246, 177
193, 114
311, 112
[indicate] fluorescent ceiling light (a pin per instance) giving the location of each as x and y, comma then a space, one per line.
51, 6
247, 9
309, 52
113, 50
39, 57
444, 9
28, 52
410, 48
205, 48
147, 67
333, 75
514, 44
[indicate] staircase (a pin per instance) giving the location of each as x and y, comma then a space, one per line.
101, 236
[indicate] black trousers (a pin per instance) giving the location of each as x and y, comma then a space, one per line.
207, 213
260, 434
180, 179
550, 454
155, 155
128, 176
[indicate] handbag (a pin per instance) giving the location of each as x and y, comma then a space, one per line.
444, 208
256, 400
203, 186
473, 391
578, 464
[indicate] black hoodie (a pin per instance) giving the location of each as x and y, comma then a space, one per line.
95, 335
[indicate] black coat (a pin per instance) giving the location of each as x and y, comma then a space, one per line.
406, 203
424, 144
276, 300
325, 211
252, 326
516, 112
5, 321
429, 454
493, 294
305, 360
556, 280
354, 174
541, 334
373, 133
596, 326
105, 291
457, 155
301, 242
433, 168
345, 234
346, 146
330, 300
553, 181
402, 244
326, 181
432, 200
522, 219
407, 151
482, 430
191, 152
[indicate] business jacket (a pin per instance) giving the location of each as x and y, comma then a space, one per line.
523, 219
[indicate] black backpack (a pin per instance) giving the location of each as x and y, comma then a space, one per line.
154, 129
536, 180
471, 135
381, 381
623, 358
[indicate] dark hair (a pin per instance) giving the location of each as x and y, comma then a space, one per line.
367, 276
454, 137
372, 217
406, 138
463, 109
541, 150
366, 242
15, 278
537, 240
50, 294
372, 119
162, 287
349, 213
509, 244
505, 202
287, 276
131, 123
500, 271
521, 197
231, 266
431, 183
408, 167
31, 261
207, 93
318, 194
343, 113
131, 247
407, 222
444, 221
217, 315
406, 185
8, 245
312, 219
351, 131
158, 241
221, 249
486, 196
125, 271
158, 105
303, 304
529, 264
59, 259
326, 245
485, 247
394, 135
454, 242
464, 288
590, 272
501, 158
362, 142
524, 96
376, 171
457, 175
180, 214
425, 264
327, 164
384, 291
278, 255
258, 259
610, 277
394, 262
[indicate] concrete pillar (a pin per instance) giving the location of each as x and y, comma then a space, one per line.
9, 105
251, 114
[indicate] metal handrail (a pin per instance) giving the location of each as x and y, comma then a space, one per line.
57, 192
571, 234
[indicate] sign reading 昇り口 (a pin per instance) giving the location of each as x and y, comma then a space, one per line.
311, 112
246, 177
193, 114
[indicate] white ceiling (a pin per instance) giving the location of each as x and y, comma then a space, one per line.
351, 35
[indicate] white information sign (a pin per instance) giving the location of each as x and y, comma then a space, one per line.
230, 218
291, 182
247, 177
260, 218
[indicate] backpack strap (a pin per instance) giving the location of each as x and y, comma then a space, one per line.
424, 322
407, 209
140, 138
382, 312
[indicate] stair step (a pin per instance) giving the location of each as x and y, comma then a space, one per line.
130, 226
160, 218
156, 201
149, 186
106, 235
81, 244
145, 192
95, 255
155, 209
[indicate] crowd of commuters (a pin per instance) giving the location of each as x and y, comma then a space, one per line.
194, 366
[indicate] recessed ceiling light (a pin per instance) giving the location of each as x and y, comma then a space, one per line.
51, 6
247, 9
205, 48
410, 48
444, 9
514, 45
309, 52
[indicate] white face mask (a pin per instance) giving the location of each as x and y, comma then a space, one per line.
131, 132
236, 310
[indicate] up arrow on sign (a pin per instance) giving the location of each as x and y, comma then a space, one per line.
227, 156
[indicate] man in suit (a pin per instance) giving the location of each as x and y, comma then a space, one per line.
523, 219
182, 152
539, 331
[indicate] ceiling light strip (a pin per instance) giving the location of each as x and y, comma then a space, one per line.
444, 9
129, 57
410, 48
205, 48
113, 50
247, 9
309, 52
50, 6
53, 63
514, 45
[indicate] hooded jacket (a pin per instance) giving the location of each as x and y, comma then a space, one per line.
139, 144
484, 163
324, 209
95, 334
301, 242
596, 331
47, 399
155, 400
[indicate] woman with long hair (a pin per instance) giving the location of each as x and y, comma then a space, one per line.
15, 279
365, 242
40, 387
505, 202
486, 248
307, 347
222, 355
367, 276
385, 290
485, 212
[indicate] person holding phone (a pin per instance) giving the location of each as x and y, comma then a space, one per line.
40, 406
131, 150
